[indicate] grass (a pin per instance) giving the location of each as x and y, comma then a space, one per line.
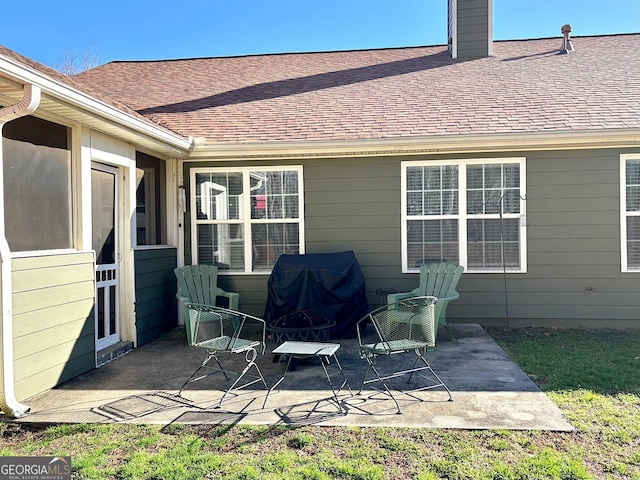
593, 376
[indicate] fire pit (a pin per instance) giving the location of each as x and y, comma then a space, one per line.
301, 326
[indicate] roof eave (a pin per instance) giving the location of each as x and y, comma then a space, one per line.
449, 144
95, 110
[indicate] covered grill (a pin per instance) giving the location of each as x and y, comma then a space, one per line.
330, 284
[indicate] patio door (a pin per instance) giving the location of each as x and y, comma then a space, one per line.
104, 214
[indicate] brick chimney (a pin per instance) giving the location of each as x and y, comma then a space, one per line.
470, 28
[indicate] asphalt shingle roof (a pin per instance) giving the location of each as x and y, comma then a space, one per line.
72, 83
527, 86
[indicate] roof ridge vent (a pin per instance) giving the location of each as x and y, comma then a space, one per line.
566, 41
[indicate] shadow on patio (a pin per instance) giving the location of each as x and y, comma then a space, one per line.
489, 391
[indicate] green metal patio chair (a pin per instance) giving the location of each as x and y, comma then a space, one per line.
406, 326
221, 330
199, 284
439, 280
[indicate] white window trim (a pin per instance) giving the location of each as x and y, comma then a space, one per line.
624, 266
247, 210
462, 215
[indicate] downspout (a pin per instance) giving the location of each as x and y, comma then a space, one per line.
8, 403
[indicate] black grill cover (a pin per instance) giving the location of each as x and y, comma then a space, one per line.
331, 283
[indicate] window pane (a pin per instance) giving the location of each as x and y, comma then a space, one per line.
432, 202
291, 206
262, 254
432, 241
450, 177
474, 177
414, 203
274, 183
270, 240
414, 179
37, 185
632, 174
633, 242
493, 188
511, 184
257, 182
432, 190
432, 178
512, 255
274, 195
633, 198
511, 175
450, 202
492, 201
493, 176
487, 238
290, 182
493, 254
218, 196
431, 232
221, 245
511, 201
475, 202
491, 230
200, 193
275, 206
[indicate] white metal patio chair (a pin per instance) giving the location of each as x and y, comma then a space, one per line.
221, 330
406, 326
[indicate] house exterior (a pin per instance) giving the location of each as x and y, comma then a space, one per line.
87, 250
520, 160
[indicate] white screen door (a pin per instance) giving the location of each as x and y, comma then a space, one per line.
104, 211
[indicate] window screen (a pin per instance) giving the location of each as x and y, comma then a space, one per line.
37, 185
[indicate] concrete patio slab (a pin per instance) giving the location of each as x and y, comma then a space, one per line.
489, 391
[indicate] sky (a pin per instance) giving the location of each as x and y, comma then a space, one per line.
49, 32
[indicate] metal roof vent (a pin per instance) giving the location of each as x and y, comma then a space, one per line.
566, 42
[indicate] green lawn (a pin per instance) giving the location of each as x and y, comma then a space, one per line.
593, 376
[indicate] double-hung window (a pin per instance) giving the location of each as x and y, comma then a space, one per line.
470, 212
244, 218
630, 209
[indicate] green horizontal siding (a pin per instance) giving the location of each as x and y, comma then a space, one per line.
156, 307
53, 320
573, 231
573, 238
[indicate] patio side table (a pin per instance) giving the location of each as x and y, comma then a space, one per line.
324, 351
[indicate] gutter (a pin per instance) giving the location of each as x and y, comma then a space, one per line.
427, 145
84, 101
8, 403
